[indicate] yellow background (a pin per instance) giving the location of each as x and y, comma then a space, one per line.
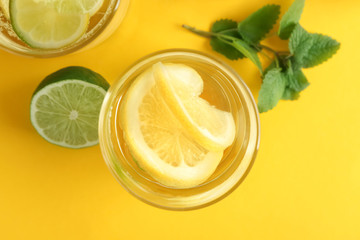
305, 183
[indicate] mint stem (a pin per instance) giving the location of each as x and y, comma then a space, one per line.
198, 32
233, 41
277, 62
267, 56
268, 48
232, 30
222, 35
208, 34
277, 53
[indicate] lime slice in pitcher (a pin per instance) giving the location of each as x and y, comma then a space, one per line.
48, 24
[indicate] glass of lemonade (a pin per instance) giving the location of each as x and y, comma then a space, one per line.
223, 89
50, 28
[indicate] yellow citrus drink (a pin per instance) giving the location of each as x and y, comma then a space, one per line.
219, 100
47, 28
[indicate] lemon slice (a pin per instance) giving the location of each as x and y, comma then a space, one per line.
48, 24
157, 140
4, 5
214, 129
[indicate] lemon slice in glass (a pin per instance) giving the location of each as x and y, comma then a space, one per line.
48, 24
4, 5
214, 129
157, 140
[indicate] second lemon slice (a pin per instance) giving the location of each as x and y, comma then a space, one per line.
214, 129
48, 24
157, 140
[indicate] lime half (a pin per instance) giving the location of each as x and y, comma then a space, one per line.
66, 105
48, 24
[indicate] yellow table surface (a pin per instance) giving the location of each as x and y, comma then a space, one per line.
305, 183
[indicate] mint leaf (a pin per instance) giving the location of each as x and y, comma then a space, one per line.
293, 63
255, 27
290, 19
296, 82
311, 49
300, 43
290, 94
223, 25
272, 90
323, 47
226, 27
296, 79
247, 51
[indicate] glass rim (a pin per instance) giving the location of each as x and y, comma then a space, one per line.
110, 97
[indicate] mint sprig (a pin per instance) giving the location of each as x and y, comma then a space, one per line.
283, 78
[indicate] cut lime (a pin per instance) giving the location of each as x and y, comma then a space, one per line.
65, 107
4, 6
48, 24
80, 6
91, 6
